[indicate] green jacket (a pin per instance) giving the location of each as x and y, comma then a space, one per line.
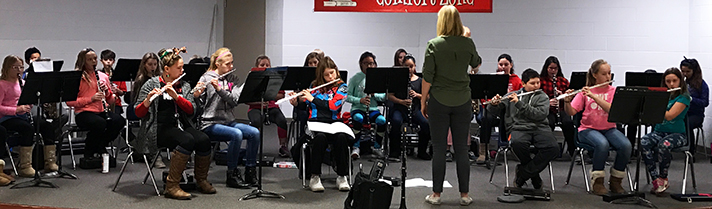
445, 68
356, 85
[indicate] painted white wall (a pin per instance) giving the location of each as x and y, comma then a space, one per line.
61, 28
631, 35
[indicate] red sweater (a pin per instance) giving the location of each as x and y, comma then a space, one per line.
87, 89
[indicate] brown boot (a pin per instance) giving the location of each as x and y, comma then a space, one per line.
4, 181
50, 158
202, 165
178, 162
615, 182
597, 178
483, 154
25, 167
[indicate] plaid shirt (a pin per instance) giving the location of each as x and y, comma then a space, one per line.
548, 87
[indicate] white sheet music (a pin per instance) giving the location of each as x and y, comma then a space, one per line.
42, 66
330, 128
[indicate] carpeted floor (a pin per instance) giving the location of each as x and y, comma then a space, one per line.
93, 189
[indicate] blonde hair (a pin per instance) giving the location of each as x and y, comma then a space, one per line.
79, 65
214, 60
449, 23
595, 66
7, 65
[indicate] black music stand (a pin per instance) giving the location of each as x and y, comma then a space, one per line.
126, 69
484, 86
578, 79
261, 86
41, 88
643, 79
193, 72
390, 80
636, 105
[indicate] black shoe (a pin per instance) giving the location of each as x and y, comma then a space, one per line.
519, 179
234, 179
424, 156
536, 181
251, 176
448, 156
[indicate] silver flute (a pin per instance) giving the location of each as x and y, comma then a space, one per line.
519, 95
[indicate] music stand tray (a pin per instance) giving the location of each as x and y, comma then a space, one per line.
483, 86
126, 69
193, 72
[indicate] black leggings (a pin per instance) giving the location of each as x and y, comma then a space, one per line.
101, 131
27, 131
339, 152
185, 141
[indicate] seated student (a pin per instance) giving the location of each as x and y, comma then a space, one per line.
15, 118
505, 65
31, 54
669, 134
527, 125
699, 91
218, 120
312, 60
273, 113
324, 105
553, 83
90, 111
147, 69
596, 131
108, 58
398, 57
411, 108
167, 120
362, 109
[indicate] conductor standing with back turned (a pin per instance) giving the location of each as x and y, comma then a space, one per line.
446, 100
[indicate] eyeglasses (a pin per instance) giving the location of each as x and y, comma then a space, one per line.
369, 63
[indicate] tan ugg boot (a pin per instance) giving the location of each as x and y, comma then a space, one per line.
173, 190
597, 179
50, 158
202, 165
25, 164
483, 154
615, 182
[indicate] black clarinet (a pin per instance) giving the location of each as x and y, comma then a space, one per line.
103, 99
22, 87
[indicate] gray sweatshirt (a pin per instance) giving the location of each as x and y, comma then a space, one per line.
529, 114
217, 106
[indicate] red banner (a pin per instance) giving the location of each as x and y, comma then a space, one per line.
403, 6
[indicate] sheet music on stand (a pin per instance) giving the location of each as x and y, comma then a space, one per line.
329, 128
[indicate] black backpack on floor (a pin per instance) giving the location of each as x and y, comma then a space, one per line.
368, 194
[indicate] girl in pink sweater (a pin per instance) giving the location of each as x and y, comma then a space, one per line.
15, 118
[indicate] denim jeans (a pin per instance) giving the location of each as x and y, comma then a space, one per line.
235, 132
602, 141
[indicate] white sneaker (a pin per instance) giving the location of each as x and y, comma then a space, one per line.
315, 184
343, 183
465, 201
355, 153
433, 200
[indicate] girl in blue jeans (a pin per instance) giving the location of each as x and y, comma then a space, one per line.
218, 98
668, 135
596, 131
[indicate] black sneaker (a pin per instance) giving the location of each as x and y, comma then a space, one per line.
536, 181
448, 156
